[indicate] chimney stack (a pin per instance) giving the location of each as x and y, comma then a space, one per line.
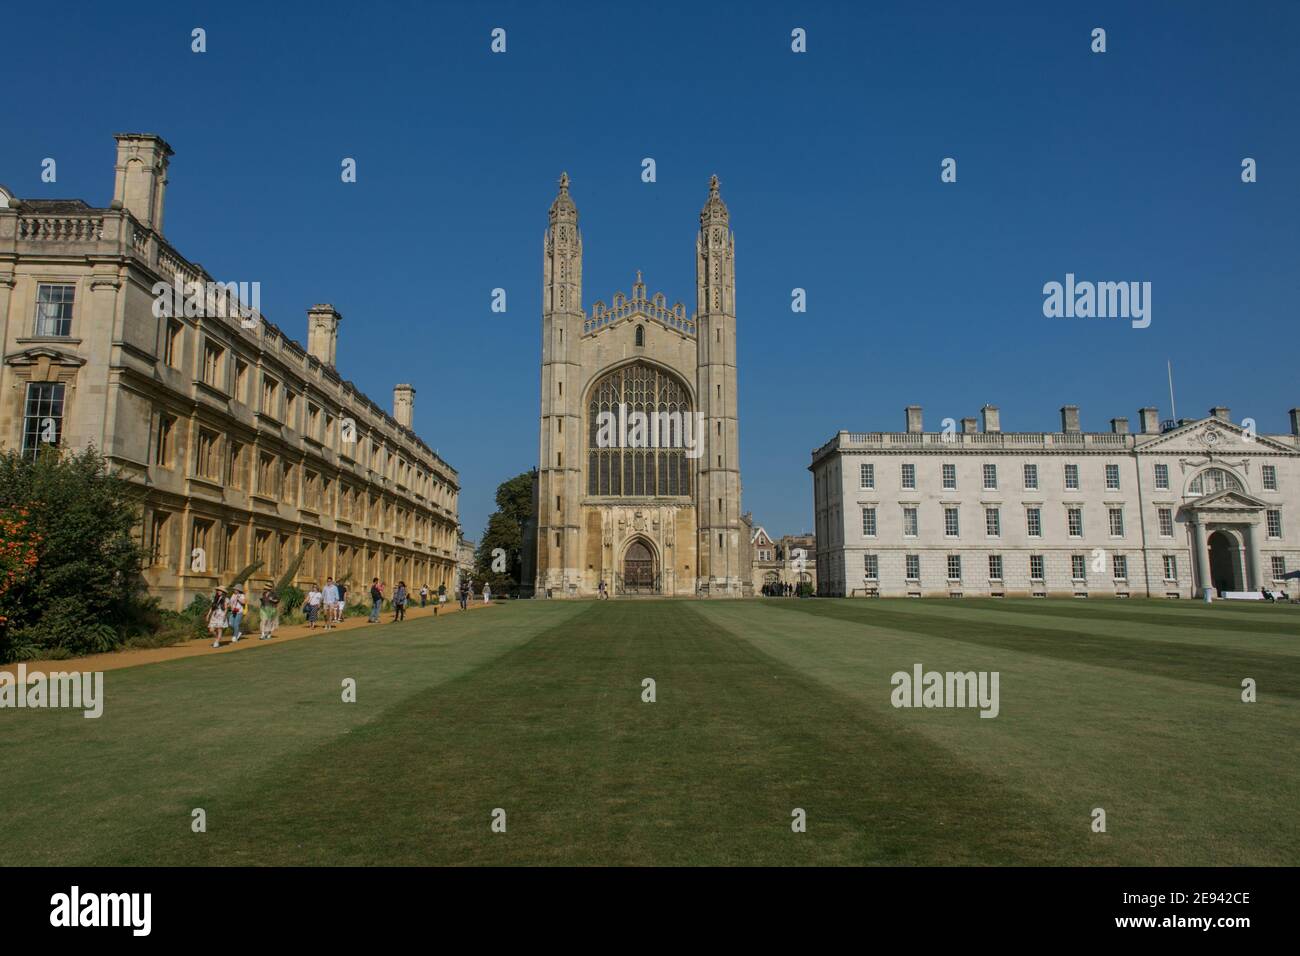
140, 177
914, 419
968, 426
1295, 421
992, 420
1221, 413
404, 405
1070, 419
1119, 426
1149, 418
323, 333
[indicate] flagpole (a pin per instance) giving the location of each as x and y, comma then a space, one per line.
1173, 409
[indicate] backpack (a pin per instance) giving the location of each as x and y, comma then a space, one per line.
375, 593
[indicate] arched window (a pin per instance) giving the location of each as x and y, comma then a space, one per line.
640, 335
620, 465
1212, 480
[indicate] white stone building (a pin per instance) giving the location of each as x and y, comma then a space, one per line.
1164, 512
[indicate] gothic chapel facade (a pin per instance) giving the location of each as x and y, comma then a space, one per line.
644, 515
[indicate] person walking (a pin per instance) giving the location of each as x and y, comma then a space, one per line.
399, 602
376, 600
269, 608
330, 597
487, 593
424, 594
312, 608
235, 613
343, 600
217, 616
463, 594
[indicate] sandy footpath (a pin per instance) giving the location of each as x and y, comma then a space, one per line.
152, 655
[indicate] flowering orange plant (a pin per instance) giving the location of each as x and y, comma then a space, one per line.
19, 549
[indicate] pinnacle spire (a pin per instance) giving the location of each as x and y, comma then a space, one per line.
563, 208
715, 210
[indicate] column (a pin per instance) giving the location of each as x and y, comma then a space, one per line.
1201, 557
1252, 559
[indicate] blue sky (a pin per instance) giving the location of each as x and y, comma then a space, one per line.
1116, 166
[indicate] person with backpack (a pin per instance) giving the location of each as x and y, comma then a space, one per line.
217, 616
376, 600
270, 610
399, 602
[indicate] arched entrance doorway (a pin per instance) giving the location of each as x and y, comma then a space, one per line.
639, 573
1225, 569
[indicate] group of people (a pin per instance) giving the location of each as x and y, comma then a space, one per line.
325, 606
228, 609
779, 589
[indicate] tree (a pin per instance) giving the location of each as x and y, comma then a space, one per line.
84, 592
498, 559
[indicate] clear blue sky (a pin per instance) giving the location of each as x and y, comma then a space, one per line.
1118, 166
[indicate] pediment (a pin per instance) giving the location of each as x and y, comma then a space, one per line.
1228, 500
1212, 436
46, 353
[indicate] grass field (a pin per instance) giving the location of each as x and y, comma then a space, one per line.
762, 707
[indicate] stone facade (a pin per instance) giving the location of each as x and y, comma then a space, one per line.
1163, 512
655, 520
247, 446
790, 559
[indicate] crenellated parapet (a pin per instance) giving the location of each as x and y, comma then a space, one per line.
638, 306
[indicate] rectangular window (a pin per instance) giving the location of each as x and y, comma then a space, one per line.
1112, 477
207, 463
950, 477
871, 567
1279, 567
158, 550
1074, 521
1034, 522
270, 397
867, 476
1117, 522
909, 477
42, 416
54, 309
1071, 477
1171, 567
172, 344
990, 477
266, 472
913, 563
1078, 570
951, 526
1274, 524
954, 567
1268, 475
1031, 477
995, 567
212, 365
909, 523
1036, 567
1166, 516
992, 522
202, 557
869, 522
164, 440
241, 381
1119, 567
1162, 477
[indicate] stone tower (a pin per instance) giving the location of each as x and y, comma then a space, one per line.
718, 494
662, 517
559, 465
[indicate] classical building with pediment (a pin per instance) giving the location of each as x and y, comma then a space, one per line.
1167, 511
246, 446
638, 482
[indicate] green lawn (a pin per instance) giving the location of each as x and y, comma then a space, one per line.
762, 707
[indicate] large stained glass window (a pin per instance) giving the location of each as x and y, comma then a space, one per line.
619, 466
